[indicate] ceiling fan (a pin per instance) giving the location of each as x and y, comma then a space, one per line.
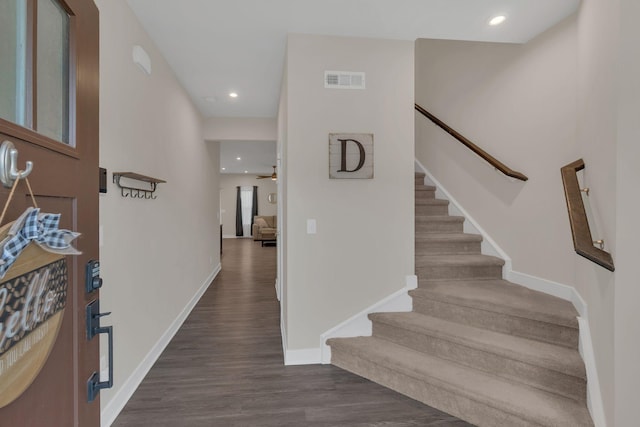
273, 176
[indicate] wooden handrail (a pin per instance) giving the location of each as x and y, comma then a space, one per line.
473, 147
582, 240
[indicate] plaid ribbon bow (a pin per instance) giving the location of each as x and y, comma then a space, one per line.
32, 226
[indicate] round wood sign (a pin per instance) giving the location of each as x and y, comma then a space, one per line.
33, 295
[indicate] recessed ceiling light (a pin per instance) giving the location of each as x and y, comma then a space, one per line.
238, 158
497, 20
246, 171
224, 169
233, 95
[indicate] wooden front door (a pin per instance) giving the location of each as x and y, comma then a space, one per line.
51, 116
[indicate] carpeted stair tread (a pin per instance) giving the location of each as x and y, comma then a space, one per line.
424, 187
425, 195
439, 218
534, 407
427, 223
447, 237
440, 242
549, 356
458, 260
431, 202
503, 297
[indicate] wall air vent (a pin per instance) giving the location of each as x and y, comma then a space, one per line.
343, 80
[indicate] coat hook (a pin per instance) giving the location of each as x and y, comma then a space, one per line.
9, 165
133, 192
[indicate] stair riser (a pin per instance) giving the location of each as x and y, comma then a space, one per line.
425, 194
514, 370
444, 247
422, 187
431, 394
458, 272
431, 209
438, 226
499, 322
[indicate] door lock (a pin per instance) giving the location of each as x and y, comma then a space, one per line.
93, 280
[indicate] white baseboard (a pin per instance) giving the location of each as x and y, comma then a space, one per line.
304, 356
594, 397
359, 325
112, 409
565, 292
283, 334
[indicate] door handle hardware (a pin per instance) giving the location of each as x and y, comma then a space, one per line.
93, 280
94, 385
9, 165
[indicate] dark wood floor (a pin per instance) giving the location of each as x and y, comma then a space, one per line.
225, 367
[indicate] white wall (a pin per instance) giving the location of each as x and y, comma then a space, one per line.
240, 129
598, 37
538, 107
228, 184
156, 254
627, 251
364, 245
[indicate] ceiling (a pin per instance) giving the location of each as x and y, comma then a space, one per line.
219, 46
256, 157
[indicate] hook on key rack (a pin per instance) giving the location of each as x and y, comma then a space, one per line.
9, 165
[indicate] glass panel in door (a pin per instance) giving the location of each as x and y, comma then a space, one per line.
52, 115
13, 61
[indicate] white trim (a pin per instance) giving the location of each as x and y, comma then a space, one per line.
283, 334
594, 398
488, 245
231, 236
549, 287
359, 325
112, 409
304, 356
411, 282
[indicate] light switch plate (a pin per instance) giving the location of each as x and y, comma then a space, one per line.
311, 226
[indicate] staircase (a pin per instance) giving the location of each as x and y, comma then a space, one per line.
475, 346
